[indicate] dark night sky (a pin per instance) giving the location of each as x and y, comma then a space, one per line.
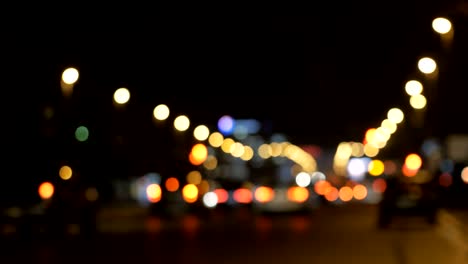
329, 61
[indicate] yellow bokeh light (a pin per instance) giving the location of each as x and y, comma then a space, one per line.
370, 150
237, 149
227, 144
216, 139
418, 101
161, 112
190, 193
248, 153
121, 95
413, 161
198, 154
357, 149
395, 115
345, 150
441, 25
427, 65
70, 76
264, 194
413, 87
153, 192
370, 135
201, 132
389, 126
376, 167
65, 172
264, 151
298, 194
181, 123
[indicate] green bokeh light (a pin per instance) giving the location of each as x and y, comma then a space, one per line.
82, 133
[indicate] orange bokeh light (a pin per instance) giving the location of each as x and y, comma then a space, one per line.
359, 192
222, 194
298, 194
346, 193
172, 184
379, 185
46, 190
190, 193
198, 154
153, 192
242, 195
264, 194
321, 187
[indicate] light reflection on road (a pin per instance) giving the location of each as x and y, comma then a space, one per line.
331, 234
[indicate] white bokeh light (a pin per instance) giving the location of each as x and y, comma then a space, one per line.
210, 199
357, 168
303, 179
70, 75
441, 25
427, 65
122, 95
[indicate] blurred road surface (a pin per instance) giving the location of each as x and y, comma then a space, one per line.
331, 234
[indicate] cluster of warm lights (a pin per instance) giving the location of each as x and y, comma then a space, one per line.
374, 140
377, 138
191, 191
199, 152
414, 89
344, 193
46, 189
230, 146
199, 155
411, 165
265, 151
197, 189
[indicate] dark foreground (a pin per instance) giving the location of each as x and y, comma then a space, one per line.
347, 234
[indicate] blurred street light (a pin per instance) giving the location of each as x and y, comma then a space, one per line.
46, 190
413, 87
441, 25
418, 101
121, 96
444, 28
68, 80
181, 123
161, 112
395, 115
65, 172
201, 132
427, 65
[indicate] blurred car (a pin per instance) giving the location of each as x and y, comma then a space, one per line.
405, 197
283, 202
